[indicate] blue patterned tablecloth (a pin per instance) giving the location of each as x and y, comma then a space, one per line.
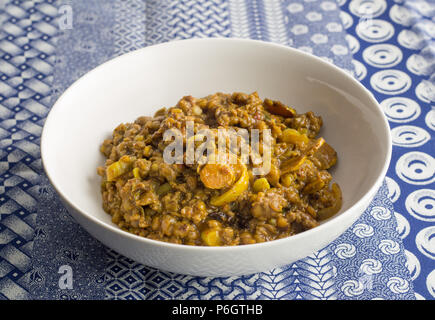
45, 45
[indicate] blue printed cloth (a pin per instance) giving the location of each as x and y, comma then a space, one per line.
387, 254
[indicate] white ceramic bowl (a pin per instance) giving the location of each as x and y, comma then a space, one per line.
145, 80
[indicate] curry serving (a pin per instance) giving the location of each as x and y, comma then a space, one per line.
214, 200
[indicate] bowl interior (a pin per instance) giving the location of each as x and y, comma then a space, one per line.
142, 82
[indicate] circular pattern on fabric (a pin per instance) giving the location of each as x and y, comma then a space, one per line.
430, 283
412, 264
328, 5
299, 29
393, 189
352, 288
388, 246
402, 15
346, 19
319, 38
345, 250
370, 8
390, 82
425, 91
334, 27
409, 136
295, 7
400, 109
421, 204
382, 55
427, 27
380, 213
353, 43
313, 16
363, 230
416, 168
398, 285
424, 7
425, 241
370, 266
339, 50
419, 65
403, 228
360, 71
430, 119
419, 296
411, 40
374, 30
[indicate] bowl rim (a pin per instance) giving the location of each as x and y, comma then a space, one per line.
124, 234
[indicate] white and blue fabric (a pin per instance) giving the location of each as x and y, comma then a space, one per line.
388, 45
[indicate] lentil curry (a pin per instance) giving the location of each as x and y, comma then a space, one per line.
219, 204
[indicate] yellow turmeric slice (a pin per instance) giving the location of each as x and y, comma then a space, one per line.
287, 180
136, 173
118, 168
313, 186
292, 164
293, 136
236, 190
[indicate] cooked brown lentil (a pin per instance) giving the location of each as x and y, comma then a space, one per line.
195, 204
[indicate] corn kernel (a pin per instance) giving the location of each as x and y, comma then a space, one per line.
154, 167
139, 138
136, 173
197, 110
261, 185
282, 222
147, 151
211, 237
287, 180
